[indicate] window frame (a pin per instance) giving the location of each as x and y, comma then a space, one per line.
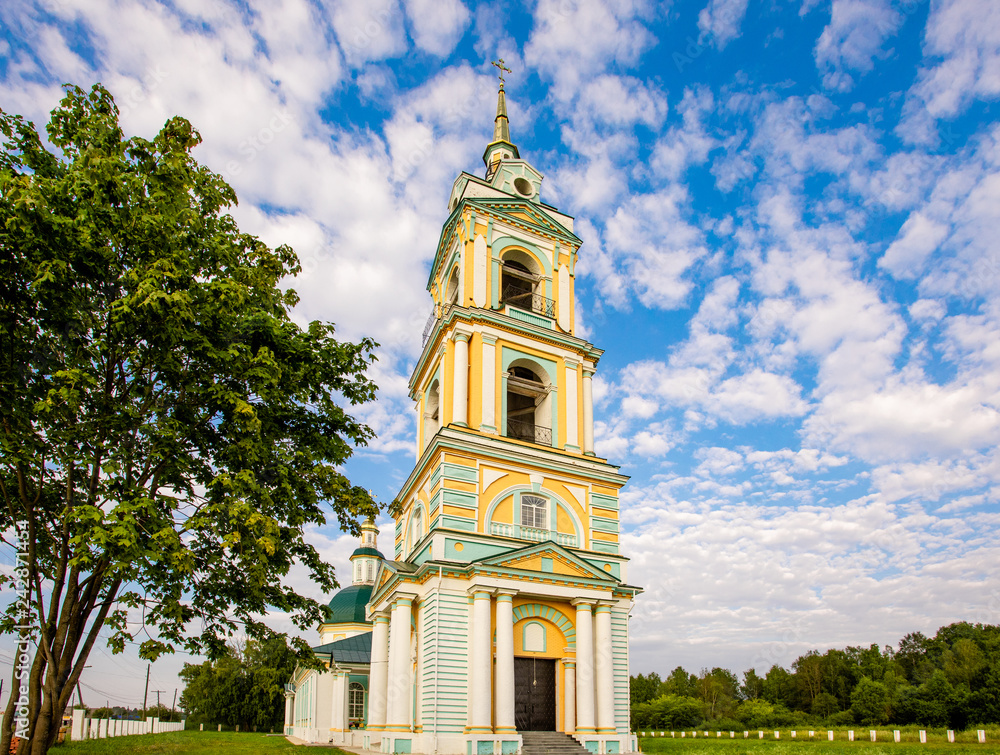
352, 689
539, 511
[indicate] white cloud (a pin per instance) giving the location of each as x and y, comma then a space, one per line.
620, 101
768, 583
962, 51
928, 310
755, 395
368, 29
906, 419
721, 19
656, 246
687, 145
571, 41
437, 25
854, 38
717, 461
917, 240
930, 480
651, 444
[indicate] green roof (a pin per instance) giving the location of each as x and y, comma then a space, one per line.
348, 605
367, 552
357, 649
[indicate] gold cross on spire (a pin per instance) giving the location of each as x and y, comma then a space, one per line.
499, 64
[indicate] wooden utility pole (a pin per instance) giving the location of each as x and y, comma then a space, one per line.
174, 706
145, 695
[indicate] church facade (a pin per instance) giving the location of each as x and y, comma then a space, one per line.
505, 606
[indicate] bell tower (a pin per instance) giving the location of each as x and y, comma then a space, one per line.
506, 549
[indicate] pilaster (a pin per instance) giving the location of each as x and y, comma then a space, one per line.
504, 694
584, 667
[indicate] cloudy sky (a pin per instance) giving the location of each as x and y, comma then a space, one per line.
790, 213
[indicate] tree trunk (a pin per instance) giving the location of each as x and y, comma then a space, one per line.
8, 715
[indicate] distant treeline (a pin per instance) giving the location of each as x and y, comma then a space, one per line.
949, 680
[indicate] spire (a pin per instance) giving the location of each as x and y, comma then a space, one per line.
501, 148
501, 125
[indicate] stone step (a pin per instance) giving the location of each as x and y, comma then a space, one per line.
550, 743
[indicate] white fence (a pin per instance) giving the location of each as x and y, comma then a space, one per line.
102, 728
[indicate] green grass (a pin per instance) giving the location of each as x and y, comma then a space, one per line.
909, 744
176, 742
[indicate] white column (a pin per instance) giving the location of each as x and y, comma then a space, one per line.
480, 686
489, 362
338, 708
397, 696
378, 682
572, 431
569, 697
588, 411
460, 399
584, 667
504, 694
604, 671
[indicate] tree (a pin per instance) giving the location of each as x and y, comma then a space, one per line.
167, 431
644, 688
824, 705
667, 712
244, 687
681, 683
717, 690
753, 686
870, 702
809, 677
779, 686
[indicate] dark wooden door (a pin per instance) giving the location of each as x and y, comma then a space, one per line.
535, 694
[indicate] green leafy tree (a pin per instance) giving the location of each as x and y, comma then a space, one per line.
245, 687
166, 431
963, 662
824, 705
756, 713
643, 688
667, 712
779, 686
808, 678
718, 690
870, 702
752, 686
680, 683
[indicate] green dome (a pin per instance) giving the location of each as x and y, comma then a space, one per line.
348, 605
367, 552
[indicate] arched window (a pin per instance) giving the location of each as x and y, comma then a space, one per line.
432, 411
451, 293
416, 526
371, 571
355, 701
527, 402
517, 284
521, 283
533, 512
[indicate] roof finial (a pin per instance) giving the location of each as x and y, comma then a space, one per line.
501, 147
500, 64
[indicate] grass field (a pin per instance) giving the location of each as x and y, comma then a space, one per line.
177, 742
909, 744
228, 743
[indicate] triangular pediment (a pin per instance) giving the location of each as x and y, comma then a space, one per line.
562, 562
386, 575
523, 212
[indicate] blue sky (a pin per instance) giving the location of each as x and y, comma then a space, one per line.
791, 257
